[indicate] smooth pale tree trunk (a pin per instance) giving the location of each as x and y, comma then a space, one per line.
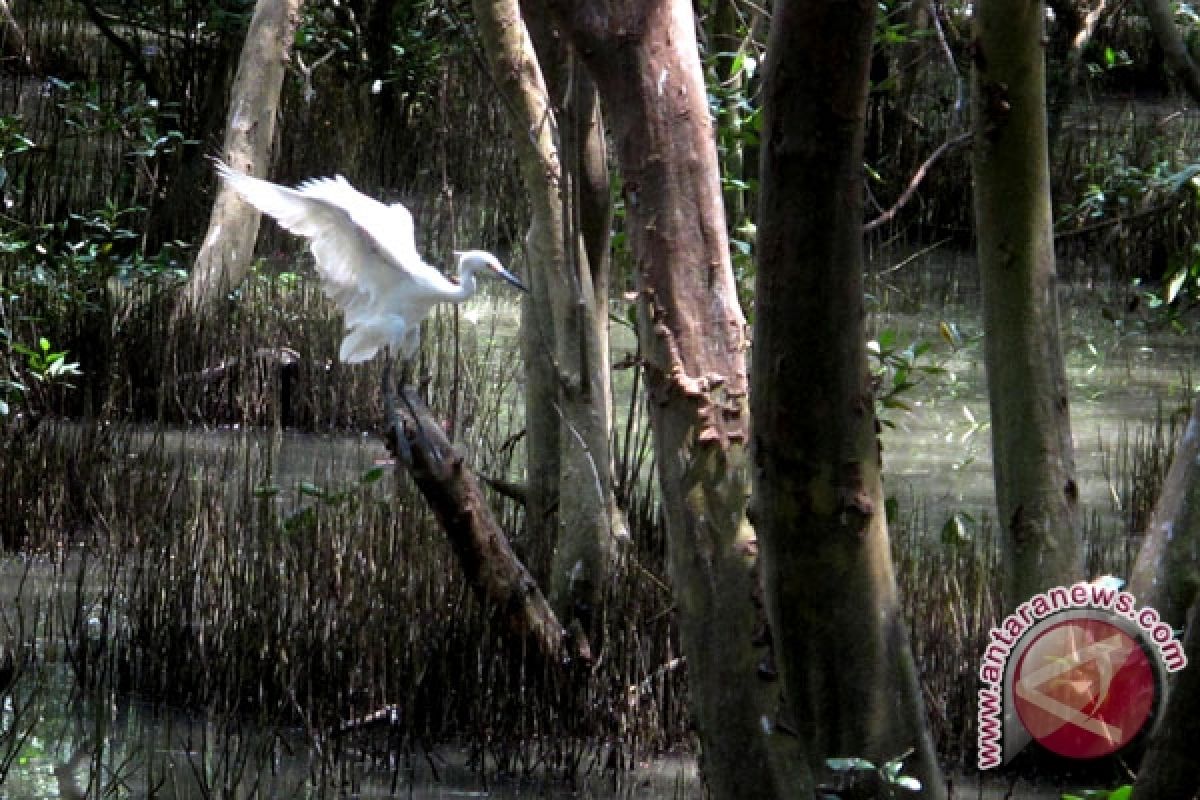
643, 58
586, 547
1032, 455
1166, 575
840, 636
225, 254
586, 220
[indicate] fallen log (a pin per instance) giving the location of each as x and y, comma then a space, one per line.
416, 439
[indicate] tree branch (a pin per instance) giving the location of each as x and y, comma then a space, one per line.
918, 176
416, 438
127, 50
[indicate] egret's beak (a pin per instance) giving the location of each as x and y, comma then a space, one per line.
499, 271
513, 279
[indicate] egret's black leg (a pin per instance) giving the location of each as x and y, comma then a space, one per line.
386, 386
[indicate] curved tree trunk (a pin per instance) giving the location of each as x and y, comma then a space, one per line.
1168, 769
225, 254
643, 58
841, 639
585, 546
1161, 16
1167, 573
1032, 454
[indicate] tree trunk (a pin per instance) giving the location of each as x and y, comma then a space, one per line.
1168, 769
1032, 457
643, 58
831, 597
586, 546
1166, 576
1161, 16
225, 253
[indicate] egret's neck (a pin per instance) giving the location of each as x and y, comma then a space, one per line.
466, 280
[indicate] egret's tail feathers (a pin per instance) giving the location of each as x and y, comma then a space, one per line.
360, 345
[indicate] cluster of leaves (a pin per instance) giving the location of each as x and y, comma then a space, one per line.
305, 518
47, 367
1112, 187
897, 369
409, 62
146, 130
53, 271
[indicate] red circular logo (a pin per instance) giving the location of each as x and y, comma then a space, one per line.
1084, 688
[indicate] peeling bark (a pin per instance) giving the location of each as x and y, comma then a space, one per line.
643, 58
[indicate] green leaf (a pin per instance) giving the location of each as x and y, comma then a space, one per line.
371, 475
310, 489
266, 490
908, 782
956, 531
891, 508
848, 764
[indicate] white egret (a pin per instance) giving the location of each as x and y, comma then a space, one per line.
366, 254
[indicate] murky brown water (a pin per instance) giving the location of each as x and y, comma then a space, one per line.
1123, 378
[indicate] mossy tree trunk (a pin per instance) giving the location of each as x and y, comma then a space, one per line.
1032, 455
226, 250
572, 342
644, 61
840, 636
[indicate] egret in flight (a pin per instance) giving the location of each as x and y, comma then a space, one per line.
366, 254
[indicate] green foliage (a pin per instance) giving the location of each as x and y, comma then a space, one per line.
407, 63
853, 773
306, 518
145, 130
1114, 187
898, 369
1119, 793
1179, 291
32, 371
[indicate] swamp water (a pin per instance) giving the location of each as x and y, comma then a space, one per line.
59, 738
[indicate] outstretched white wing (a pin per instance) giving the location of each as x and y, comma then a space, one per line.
364, 249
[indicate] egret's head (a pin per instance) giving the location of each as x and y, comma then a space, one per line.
485, 263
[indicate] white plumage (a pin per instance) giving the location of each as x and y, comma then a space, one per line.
366, 254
